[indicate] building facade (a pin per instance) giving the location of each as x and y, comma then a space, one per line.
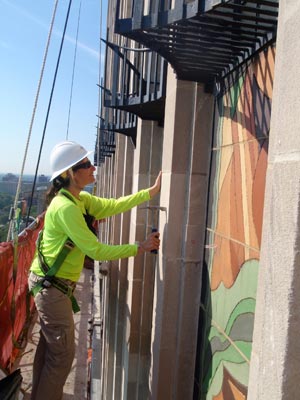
188, 90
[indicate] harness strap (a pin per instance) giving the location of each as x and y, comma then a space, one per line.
68, 246
49, 279
47, 282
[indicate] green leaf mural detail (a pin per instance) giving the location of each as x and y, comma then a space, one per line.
235, 93
229, 355
226, 338
243, 307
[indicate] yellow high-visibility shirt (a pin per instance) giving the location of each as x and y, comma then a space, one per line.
64, 219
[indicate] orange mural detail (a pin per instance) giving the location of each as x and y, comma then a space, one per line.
243, 164
264, 71
231, 389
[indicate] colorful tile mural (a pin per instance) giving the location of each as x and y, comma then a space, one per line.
237, 183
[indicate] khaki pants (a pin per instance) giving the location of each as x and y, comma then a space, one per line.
56, 347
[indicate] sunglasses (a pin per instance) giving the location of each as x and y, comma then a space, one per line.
85, 165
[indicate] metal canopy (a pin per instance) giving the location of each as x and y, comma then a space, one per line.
203, 40
105, 145
115, 121
138, 81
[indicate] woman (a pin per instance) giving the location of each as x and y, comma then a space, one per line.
66, 240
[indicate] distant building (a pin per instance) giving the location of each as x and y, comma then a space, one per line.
10, 178
8, 187
43, 179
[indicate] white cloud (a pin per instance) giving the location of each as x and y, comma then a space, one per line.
24, 13
89, 50
85, 48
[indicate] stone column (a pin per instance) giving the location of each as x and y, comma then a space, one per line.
185, 165
119, 183
117, 176
149, 268
275, 359
122, 269
136, 346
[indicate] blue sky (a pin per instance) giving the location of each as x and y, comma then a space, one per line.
24, 28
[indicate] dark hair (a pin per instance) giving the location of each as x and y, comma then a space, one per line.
57, 184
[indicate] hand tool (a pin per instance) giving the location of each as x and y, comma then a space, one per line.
154, 212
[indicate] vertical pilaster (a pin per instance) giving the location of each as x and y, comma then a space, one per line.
135, 266
185, 166
146, 164
116, 191
275, 359
128, 183
125, 172
148, 279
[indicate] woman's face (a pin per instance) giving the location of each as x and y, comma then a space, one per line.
83, 173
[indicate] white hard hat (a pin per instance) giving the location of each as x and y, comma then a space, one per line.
65, 155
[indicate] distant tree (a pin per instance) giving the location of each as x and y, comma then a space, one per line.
3, 232
6, 202
10, 178
4, 217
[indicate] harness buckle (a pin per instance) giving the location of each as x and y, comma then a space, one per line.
69, 244
70, 291
47, 282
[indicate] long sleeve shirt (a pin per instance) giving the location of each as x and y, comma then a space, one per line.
64, 219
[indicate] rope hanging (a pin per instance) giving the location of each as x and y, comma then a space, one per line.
12, 222
48, 109
73, 72
12, 230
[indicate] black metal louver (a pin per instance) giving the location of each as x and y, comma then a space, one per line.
105, 146
202, 40
137, 81
115, 121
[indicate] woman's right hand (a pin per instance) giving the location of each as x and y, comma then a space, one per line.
151, 243
153, 190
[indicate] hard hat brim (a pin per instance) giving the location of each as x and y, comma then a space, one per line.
59, 172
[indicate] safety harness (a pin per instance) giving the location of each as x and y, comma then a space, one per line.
50, 279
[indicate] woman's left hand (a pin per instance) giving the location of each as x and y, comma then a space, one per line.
156, 187
151, 243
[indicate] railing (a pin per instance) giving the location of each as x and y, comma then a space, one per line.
106, 145
124, 123
137, 81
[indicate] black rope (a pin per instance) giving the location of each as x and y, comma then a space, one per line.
48, 111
